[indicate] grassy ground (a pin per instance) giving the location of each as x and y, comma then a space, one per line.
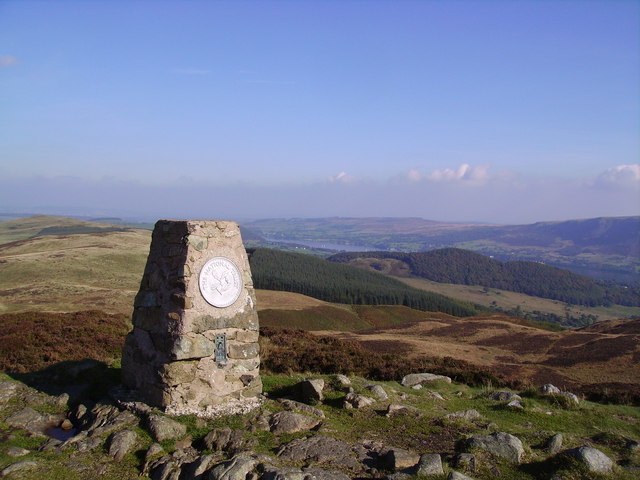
605, 427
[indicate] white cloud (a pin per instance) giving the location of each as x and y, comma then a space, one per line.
342, 177
7, 61
620, 176
465, 174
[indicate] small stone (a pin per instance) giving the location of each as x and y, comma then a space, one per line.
311, 390
501, 444
398, 409
592, 458
515, 404
422, 378
458, 476
571, 396
434, 395
464, 414
417, 387
122, 443
17, 452
550, 389
291, 422
430, 464
66, 424
378, 392
343, 380
399, 459
504, 396
554, 445
164, 428
355, 400
15, 467
301, 407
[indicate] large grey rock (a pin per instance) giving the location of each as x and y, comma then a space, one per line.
470, 414
422, 378
164, 428
355, 400
122, 443
400, 459
554, 445
32, 421
224, 439
550, 389
504, 396
430, 464
320, 449
592, 458
197, 469
17, 466
399, 409
322, 474
343, 380
105, 418
291, 422
501, 444
311, 390
235, 469
378, 392
301, 407
458, 476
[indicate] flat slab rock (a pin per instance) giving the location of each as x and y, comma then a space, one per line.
422, 378
291, 422
320, 449
501, 444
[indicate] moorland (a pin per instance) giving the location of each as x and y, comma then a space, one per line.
66, 294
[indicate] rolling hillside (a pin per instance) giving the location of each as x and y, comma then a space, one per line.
605, 248
457, 266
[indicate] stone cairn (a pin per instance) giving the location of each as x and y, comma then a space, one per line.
194, 344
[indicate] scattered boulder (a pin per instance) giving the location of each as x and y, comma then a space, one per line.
17, 466
399, 459
343, 380
504, 396
378, 392
430, 464
422, 378
16, 452
301, 407
571, 396
470, 414
320, 449
224, 439
515, 404
105, 418
32, 421
235, 469
311, 390
434, 395
164, 428
550, 389
122, 443
592, 458
399, 409
554, 444
291, 422
458, 476
355, 400
501, 444
196, 470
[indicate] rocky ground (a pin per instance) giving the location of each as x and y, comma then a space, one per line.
321, 428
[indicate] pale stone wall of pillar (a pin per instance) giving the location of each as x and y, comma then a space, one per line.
169, 356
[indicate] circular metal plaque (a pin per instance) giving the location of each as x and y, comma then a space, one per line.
220, 282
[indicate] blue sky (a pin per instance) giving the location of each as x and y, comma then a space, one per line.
507, 112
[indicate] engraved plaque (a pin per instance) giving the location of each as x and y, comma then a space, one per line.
220, 282
221, 348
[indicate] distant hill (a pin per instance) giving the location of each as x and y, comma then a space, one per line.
604, 248
454, 265
332, 282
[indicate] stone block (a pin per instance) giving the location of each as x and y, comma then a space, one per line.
247, 336
175, 373
244, 351
192, 346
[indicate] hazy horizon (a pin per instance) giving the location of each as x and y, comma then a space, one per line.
493, 112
